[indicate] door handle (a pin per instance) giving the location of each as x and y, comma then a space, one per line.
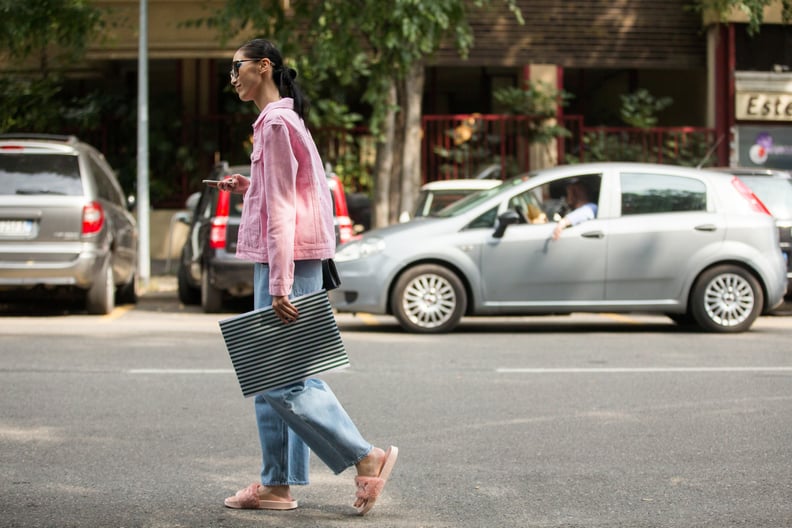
706, 227
593, 234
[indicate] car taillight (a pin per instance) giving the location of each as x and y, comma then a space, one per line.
92, 218
217, 233
748, 194
345, 229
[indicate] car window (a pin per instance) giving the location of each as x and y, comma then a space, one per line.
550, 198
486, 220
529, 207
647, 193
775, 193
107, 191
441, 199
205, 207
472, 200
40, 174
236, 205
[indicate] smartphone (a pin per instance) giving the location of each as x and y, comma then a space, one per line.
211, 183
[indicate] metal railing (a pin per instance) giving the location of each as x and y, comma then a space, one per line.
453, 146
467, 145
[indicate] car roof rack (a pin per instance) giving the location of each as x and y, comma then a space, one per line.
50, 137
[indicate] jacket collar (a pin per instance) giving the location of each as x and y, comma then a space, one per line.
286, 103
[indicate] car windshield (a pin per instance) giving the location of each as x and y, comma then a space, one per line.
40, 174
472, 200
775, 193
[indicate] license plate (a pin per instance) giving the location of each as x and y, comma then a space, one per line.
16, 228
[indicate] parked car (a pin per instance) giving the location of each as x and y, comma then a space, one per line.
774, 188
439, 194
65, 228
343, 223
209, 272
489, 172
695, 245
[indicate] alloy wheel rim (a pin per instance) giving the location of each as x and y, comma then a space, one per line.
429, 301
729, 300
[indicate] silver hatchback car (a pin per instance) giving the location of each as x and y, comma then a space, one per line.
64, 224
696, 245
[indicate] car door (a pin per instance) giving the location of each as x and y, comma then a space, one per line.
200, 231
123, 224
664, 221
526, 267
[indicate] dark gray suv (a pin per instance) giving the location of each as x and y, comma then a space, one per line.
209, 271
65, 228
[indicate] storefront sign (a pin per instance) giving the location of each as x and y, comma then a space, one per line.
764, 146
768, 106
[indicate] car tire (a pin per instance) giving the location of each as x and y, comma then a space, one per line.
684, 319
100, 299
429, 299
726, 299
211, 297
128, 293
188, 295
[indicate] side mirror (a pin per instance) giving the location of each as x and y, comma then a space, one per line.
185, 217
504, 220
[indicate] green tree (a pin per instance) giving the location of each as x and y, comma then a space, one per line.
639, 109
539, 101
48, 30
340, 42
753, 8
38, 38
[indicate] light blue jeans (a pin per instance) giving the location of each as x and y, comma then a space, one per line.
294, 419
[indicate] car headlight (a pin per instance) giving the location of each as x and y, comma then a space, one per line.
358, 249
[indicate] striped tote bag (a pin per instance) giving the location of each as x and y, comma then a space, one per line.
267, 353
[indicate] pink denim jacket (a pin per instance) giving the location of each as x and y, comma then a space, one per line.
287, 213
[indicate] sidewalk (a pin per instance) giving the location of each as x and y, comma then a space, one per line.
163, 278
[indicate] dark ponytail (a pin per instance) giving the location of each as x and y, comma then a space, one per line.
283, 77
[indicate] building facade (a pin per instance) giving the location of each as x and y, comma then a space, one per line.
717, 75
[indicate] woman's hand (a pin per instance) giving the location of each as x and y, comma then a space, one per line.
285, 310
235, 183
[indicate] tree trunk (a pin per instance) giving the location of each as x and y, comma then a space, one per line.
398, 168
413, 87
384, 164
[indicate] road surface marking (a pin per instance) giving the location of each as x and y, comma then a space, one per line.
179, 371
117, 312
368, 319
639, 370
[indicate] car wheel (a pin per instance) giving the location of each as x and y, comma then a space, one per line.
188, 295
100, 299
128, 293
211, 297
429, 299
726, 299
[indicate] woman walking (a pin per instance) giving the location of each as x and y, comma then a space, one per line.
286, 230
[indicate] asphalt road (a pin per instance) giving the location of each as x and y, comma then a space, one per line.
135, 420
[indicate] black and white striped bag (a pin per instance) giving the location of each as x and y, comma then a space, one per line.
267, 353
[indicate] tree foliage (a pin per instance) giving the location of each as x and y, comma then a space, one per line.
47, 30
381, 45
754, 9
36, 35
640, 108
341, 42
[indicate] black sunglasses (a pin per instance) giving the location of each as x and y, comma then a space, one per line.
238, 64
